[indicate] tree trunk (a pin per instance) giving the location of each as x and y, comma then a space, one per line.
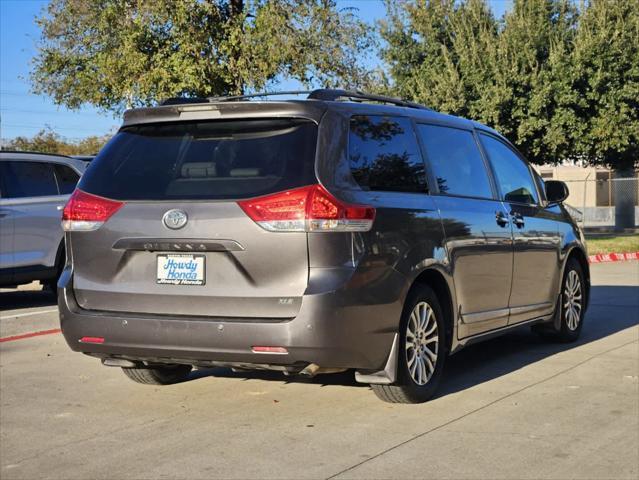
625, 197
236, 9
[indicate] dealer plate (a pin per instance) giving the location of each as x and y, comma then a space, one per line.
181, 269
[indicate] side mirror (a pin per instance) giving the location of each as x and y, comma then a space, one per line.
556, 191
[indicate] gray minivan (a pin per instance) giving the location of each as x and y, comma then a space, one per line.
34, 187
342, 231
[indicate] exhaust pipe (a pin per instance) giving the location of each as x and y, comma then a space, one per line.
310, 370
118, 362
313, 369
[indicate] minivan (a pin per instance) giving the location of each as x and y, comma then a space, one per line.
343, 231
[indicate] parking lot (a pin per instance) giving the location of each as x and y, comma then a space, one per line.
514, 407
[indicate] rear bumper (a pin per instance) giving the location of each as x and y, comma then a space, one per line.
352, 327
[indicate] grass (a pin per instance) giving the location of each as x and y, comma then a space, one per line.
612, 244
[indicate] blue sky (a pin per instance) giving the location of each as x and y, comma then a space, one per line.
22, 113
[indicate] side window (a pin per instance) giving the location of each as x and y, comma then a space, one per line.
27, 179
512, 173
456, 161
67, 179
384, 154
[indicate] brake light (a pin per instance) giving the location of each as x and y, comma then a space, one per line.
308, 209
85, 212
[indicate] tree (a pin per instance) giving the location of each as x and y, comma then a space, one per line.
605, 76
47, 141
463, 62
533, 46
121, 53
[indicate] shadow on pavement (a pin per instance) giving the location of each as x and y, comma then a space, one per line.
15, 299
612, 309
345, 378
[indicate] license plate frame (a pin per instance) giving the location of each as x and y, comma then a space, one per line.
189, 269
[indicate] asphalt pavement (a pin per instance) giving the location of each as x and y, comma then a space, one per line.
516, 407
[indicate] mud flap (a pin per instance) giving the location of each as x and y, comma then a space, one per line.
388, 375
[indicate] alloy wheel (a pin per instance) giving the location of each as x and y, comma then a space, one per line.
572, 300
422, 343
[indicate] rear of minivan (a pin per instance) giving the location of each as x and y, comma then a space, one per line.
209, 236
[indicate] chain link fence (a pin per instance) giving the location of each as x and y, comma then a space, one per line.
604, 202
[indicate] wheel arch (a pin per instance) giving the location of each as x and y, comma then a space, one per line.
60, 253
436, 280
579, 255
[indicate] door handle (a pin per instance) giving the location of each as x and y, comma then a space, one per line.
501, 218
518, 220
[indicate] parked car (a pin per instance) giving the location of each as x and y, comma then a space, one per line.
343, 231
33, 190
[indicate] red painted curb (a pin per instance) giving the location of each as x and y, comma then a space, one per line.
613, 257
29, 335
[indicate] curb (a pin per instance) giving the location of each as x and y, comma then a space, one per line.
613, 257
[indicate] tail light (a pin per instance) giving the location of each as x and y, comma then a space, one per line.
85, 212
308, 209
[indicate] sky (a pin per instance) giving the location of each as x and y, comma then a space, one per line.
24, 114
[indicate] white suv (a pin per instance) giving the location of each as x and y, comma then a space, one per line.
33, 190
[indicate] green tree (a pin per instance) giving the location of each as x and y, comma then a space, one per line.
533, 46
605, 78
121, 53
47, 141
457, 58
440, 52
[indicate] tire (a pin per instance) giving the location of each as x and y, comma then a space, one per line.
52, 284
570, 306
159, 375
415, 384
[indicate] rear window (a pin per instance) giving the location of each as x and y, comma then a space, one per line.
67, 178
204, 160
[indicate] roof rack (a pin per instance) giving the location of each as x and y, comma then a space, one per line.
325, 94
261, 94
330, 94
230, 98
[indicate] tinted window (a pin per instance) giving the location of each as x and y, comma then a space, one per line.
541, 185
27, 179
204, 160
512, 174
384, 154
67, 178
456, 161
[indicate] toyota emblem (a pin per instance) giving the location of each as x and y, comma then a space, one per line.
175, 219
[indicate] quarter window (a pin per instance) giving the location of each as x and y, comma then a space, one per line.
384, 154
456, 161
67, 179
512, 173
27, 179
